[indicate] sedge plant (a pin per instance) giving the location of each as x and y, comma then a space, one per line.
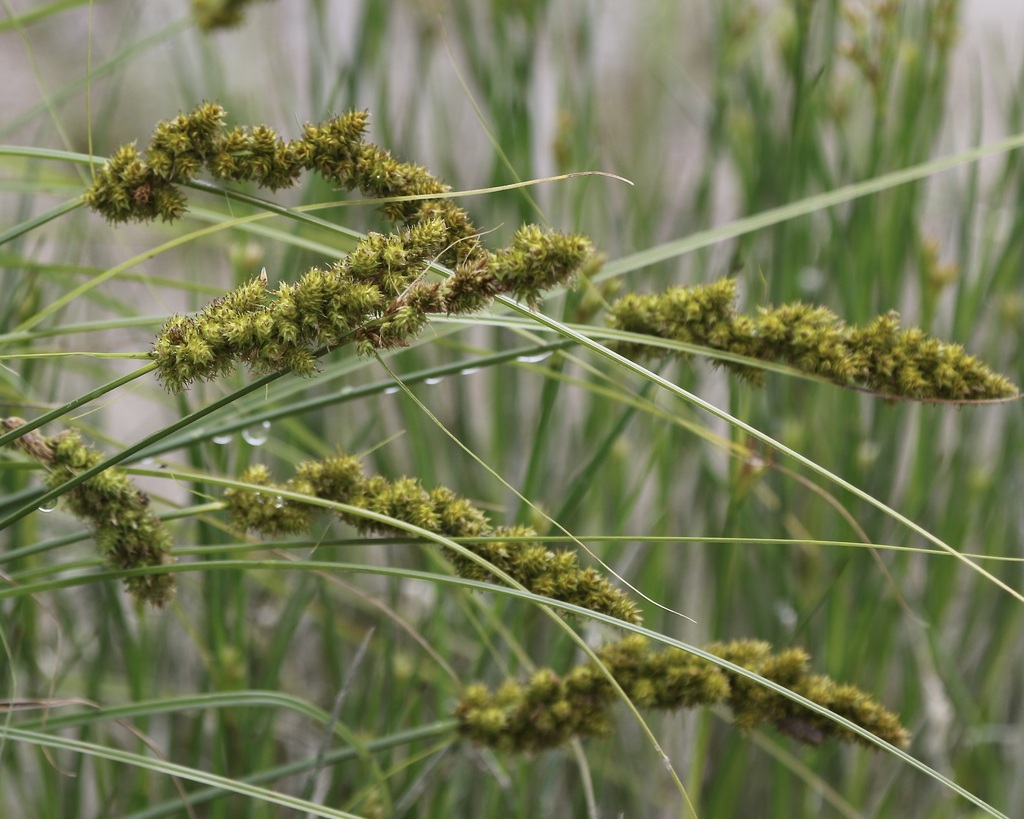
241, 589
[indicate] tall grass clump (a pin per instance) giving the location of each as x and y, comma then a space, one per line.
340, 484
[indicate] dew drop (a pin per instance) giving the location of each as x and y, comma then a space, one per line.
391, 390
786, 613
432, 381
256, 434
279, 502
48, 506
469, 370
811, 279
221, 440
867, 453
533, 359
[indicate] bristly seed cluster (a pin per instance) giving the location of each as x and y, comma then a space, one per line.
131, 187
378, 297
557, 575
211, 14
550, 710
126, 531
879, 356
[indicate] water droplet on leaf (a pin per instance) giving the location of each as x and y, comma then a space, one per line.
533, 359
256, 434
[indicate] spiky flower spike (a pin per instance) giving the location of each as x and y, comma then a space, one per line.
126, 531
211, 14
131, 187
557, 575
550, 710
879, 356
377, 297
